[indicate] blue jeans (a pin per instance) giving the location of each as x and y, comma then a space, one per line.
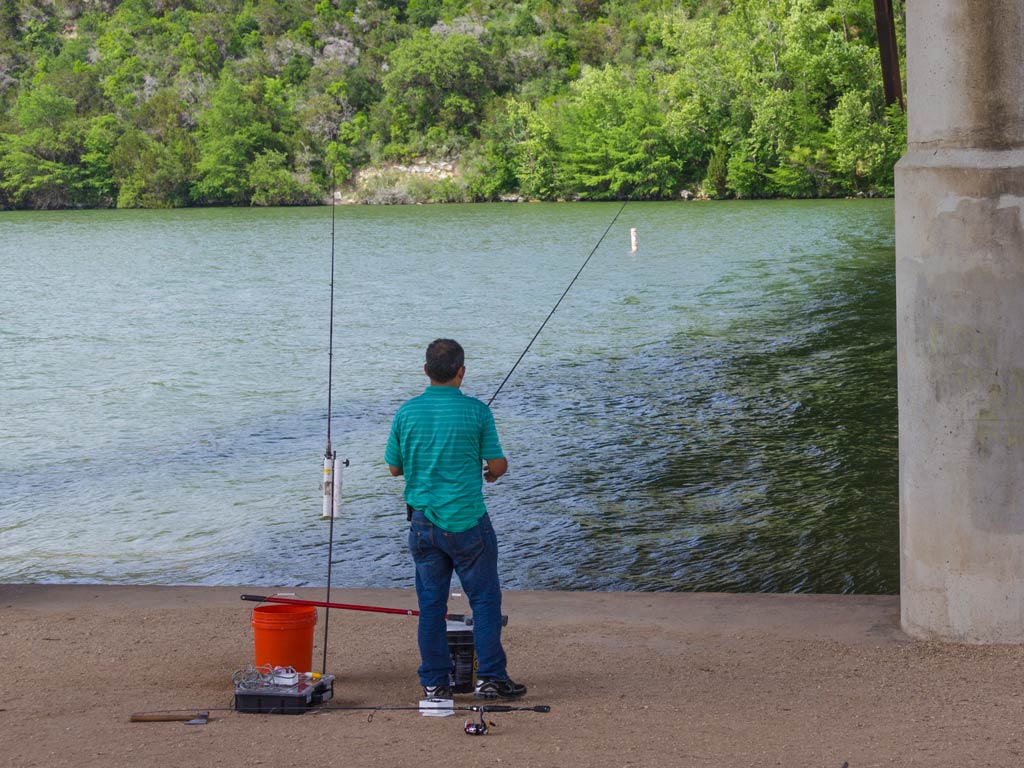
472, 554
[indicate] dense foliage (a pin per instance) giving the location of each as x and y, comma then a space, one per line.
147, 103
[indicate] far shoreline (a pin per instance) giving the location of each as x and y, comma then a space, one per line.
343, 203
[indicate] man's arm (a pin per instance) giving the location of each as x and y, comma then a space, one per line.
495, 469
393, 451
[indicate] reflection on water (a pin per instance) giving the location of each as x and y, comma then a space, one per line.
782, 462
716, 412
754, 449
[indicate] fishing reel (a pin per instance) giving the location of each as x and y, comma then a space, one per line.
478, 729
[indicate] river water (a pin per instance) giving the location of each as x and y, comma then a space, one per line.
716, 411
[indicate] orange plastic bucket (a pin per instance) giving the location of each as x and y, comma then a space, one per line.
283, 635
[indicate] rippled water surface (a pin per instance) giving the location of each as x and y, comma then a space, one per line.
714, 412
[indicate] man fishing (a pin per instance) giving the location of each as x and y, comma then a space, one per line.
439, 441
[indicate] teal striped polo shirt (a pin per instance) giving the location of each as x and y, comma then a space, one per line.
441, 439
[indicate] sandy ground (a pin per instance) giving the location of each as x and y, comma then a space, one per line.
633, 679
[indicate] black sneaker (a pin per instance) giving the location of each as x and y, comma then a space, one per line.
498, 689
437, 691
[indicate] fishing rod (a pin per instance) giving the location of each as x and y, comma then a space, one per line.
442, 710
541, 708
486, 708
332, 464
202, 717
564, 293
468, 620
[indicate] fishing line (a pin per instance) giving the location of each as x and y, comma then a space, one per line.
564, 293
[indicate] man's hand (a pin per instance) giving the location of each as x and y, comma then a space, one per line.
495, 468
395, 471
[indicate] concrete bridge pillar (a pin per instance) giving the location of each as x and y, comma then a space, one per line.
960, 309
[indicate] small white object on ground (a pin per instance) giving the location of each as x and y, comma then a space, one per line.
437, 707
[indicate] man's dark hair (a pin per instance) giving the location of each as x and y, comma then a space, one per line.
444, 358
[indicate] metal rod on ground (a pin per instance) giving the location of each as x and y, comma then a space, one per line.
348, 607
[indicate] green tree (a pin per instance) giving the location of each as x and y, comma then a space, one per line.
148, 172
494, 170
746, 179
229, 136
10, 19
96, 183
39, 159
537, 156
799, 175
613, 138
717, 179
863, 149
238, 101
436, 80
239, 125
274, 183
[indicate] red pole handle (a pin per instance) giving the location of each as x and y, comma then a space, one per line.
347, 607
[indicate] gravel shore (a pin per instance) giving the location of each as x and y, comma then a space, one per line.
633, 679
